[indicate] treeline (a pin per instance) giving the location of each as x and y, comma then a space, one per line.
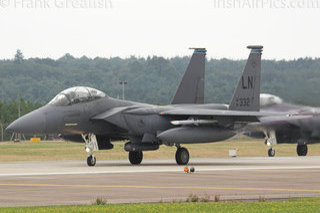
153, 79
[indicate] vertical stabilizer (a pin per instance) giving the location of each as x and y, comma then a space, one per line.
191, 88
247, 94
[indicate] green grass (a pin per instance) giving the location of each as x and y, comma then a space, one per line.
296, 205
46, 151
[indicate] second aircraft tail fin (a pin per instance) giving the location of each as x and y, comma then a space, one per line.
191, 88
247, 94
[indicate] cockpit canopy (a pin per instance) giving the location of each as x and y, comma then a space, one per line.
268, 100
76, 95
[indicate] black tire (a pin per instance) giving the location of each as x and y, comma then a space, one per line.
302, 150
135, 157
91, 160
182, 156
271, 152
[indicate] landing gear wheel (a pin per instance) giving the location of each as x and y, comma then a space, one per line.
135, 157
302, 150
182, 156
271, 152
91, 160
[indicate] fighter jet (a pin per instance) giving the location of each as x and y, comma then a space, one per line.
297, 124
89, 115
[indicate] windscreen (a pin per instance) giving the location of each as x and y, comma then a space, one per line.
76, 95
268, 100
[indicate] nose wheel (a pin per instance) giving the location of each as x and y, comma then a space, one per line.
271, 152
91, 160
182, 156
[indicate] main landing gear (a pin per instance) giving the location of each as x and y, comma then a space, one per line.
302, 149
135, 157
182, 156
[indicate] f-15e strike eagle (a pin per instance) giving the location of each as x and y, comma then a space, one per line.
295, 124
89, 115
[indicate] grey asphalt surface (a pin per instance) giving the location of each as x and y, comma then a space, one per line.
72, 182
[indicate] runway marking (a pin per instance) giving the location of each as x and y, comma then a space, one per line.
160, 187
176, 169
289, 170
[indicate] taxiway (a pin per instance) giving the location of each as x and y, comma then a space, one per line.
72, 182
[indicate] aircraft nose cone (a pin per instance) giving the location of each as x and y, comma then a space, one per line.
32, 123
10, 128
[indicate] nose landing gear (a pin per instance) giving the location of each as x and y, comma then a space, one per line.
91, 145
270, 140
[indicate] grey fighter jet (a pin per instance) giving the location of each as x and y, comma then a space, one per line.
89, 115
296, 124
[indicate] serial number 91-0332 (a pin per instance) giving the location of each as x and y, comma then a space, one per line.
243, 102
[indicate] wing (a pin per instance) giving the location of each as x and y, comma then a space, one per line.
278, 122
250, 116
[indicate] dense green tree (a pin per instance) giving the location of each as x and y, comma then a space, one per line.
18, 57
153, 79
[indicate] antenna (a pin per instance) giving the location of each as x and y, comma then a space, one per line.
17, 136
19, 103
1, 127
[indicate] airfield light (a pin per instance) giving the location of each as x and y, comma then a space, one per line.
123, 83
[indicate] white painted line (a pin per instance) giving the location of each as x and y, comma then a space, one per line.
158, 170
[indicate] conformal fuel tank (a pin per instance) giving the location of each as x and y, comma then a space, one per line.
184, 135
